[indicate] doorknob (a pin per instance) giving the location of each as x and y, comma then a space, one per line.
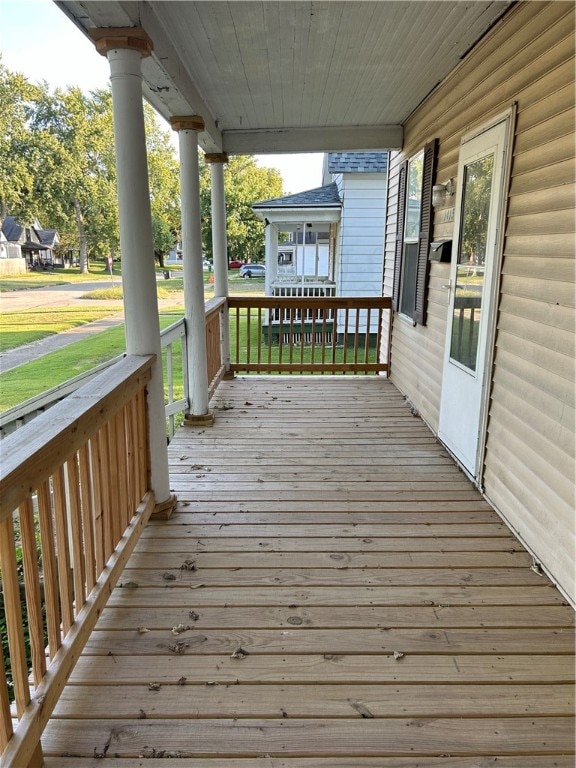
448, 287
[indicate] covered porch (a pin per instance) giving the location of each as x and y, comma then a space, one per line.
302, 578
331, 591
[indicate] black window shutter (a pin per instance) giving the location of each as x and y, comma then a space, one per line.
402, 176
426, 223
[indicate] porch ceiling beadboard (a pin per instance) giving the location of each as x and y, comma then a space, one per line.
295, 76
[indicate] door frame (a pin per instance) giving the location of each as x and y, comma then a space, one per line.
493, 289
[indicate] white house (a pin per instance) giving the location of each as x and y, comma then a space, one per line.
335, 243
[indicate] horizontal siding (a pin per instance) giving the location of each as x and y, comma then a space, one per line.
528, 58
361, 245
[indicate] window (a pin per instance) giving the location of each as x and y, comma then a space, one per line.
413, 234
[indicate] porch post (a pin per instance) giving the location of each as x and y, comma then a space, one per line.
220, 246
194, 312
124, 49
271, 250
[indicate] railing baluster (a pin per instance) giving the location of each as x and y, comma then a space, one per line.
50, 569
248, 334
170, 387
104, 452
345, 338
356, 335
120, 429
87, 516
33, 596
280, 336
62, 548
367, 338
313, 340
291, 336
6, 729
78, 569
13, 612
96, 465
142, 452
113, 482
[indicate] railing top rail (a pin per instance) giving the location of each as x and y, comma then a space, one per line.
33, 452
58, 392
310, 302
214, 305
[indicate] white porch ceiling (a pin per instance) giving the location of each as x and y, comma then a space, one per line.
301, 76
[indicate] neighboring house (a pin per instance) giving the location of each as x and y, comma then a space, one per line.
483, 333
303, 263
36, 244
334, 242
361, 178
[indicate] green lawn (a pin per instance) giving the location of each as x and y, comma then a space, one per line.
18, 328
36, 377
57, 276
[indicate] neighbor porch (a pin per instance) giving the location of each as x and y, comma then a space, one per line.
331, 591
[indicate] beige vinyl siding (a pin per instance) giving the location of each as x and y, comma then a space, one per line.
527, 59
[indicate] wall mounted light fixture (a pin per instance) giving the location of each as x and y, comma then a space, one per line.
442, 194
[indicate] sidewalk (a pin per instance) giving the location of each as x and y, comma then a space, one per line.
20, 355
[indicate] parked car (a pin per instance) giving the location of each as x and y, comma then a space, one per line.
252, 270
235, 264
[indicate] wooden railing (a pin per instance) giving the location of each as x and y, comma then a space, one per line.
216, 325
308, 335
74, 492
173, 340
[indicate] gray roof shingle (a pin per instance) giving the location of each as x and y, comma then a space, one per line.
321, 197
357, 162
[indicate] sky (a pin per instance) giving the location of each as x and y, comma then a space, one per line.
38, 40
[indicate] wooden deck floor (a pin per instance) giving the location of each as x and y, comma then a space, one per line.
332, 593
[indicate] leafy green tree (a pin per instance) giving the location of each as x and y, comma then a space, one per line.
17, 99
75, 171
245, 183
164, 181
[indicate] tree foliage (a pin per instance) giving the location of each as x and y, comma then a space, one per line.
245, 183
17, 97
57, 165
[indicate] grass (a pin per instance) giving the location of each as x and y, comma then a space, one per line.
57, 276
18, 328
49, 371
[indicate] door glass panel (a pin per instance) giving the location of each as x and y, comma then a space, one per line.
477, 186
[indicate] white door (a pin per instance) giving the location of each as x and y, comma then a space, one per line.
473, 288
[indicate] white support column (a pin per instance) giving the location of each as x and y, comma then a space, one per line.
271, 250
125, 49
220, 246
194, 312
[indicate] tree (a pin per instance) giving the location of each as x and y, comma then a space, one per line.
17, 98
75, 173
245, 183
164, 181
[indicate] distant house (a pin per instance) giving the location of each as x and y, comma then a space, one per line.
27, 245
334, 233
